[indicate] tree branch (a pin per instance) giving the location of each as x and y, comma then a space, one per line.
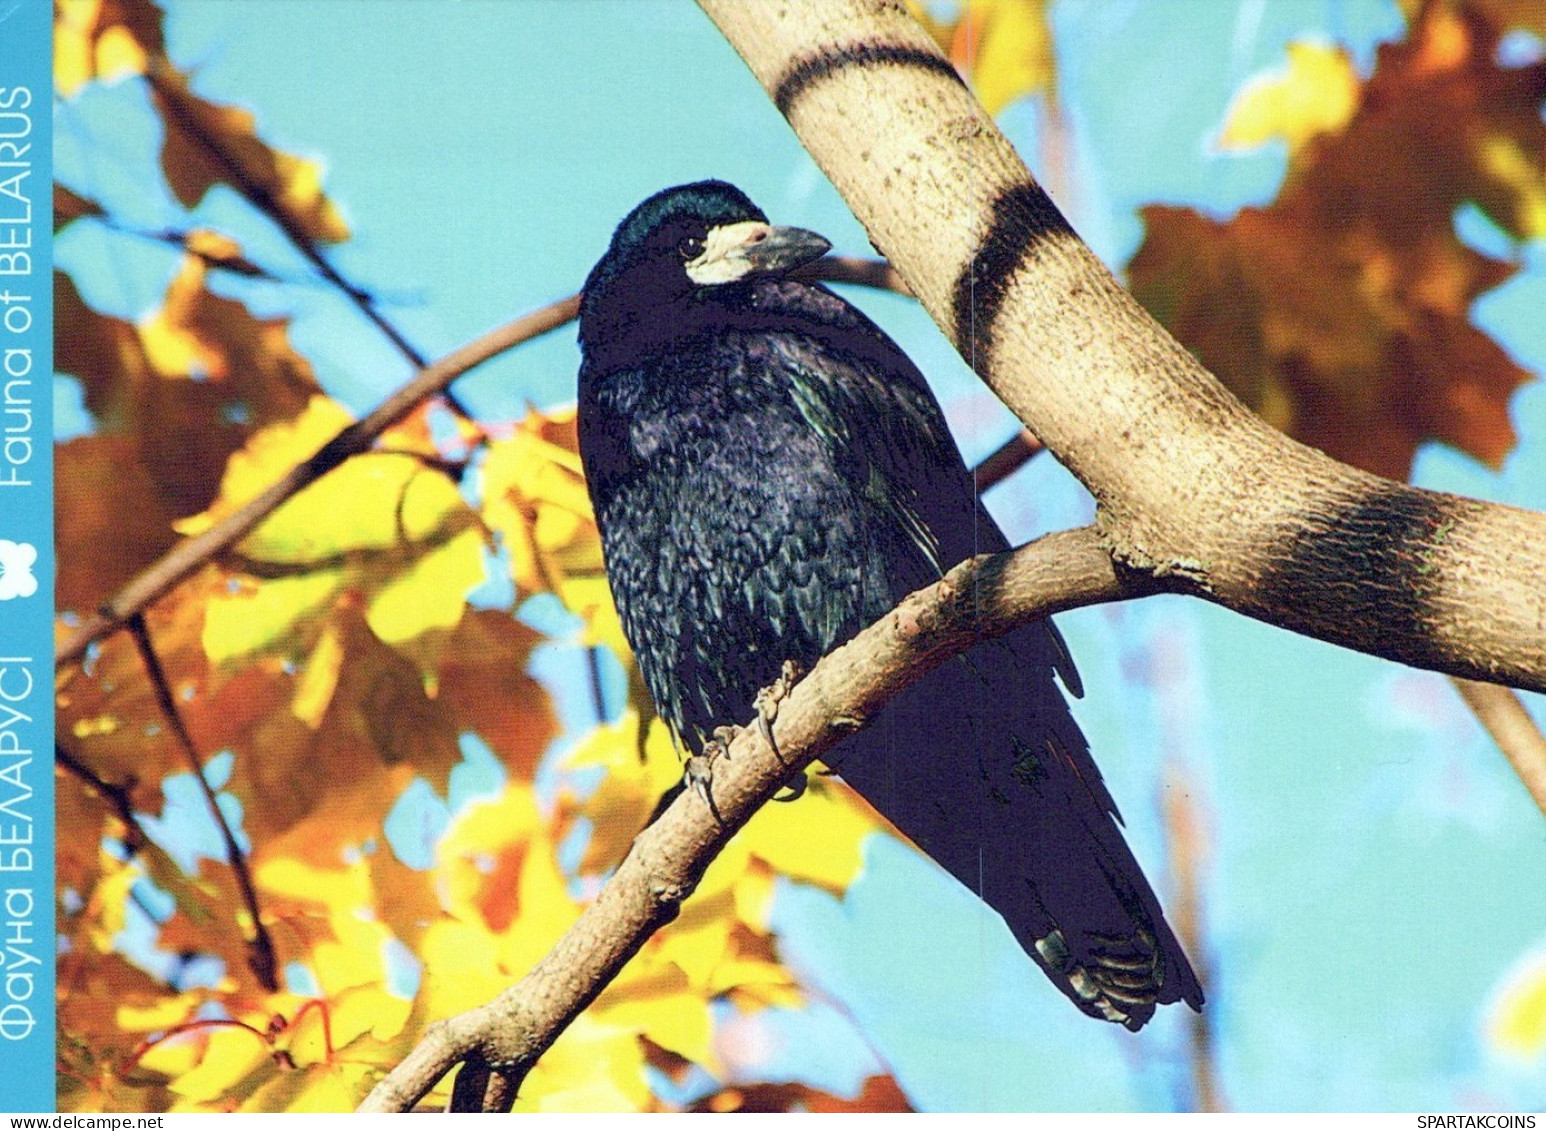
166, 82
1503, 714
981, 597
117, 795
1190, 485
261, 958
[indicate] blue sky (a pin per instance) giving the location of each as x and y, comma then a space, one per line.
1376, 867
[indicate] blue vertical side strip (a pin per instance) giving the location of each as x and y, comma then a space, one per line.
27, 947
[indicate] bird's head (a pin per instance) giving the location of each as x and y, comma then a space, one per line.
682, 244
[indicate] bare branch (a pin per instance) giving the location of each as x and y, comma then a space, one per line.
1503, 714
982, 597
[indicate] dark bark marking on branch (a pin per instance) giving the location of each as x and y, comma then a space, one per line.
1022, 216
805, 73
1390, 534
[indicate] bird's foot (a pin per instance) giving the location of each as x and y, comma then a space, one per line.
766, 703
699, 771
796, 788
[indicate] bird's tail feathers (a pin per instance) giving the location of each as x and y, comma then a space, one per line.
983, 768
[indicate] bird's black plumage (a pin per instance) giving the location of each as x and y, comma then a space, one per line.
770, 474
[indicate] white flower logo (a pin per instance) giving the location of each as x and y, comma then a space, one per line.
16, 561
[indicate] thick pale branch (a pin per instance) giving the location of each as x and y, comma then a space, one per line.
981, 597
1190, 484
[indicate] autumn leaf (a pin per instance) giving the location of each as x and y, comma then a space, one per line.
1316, 93
103, 40
879, 1093
71, 206
172, 397
1340, 312
1003, 46
208, 143
1516, 1020
536, 499
383, 525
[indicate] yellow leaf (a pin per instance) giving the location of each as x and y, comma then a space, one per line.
1012, 53
314, 690
591, 1068
368, 1010
753, 892
157, 1015
817, 840
1003, 46
1518, 172
267, 455
659, 1002
1516, 1024
430, 593
231, 1055
255, 617
621, 803
336, 1088
535, 496
1316, 92
93, 39
381, 523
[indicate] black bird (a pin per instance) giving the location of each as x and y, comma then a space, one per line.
771, 474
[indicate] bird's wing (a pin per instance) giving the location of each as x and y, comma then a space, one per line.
916, 483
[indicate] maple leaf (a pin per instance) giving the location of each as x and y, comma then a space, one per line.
535, 497
1340, 312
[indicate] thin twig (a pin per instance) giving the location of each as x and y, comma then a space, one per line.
260, 947
1188, 842
1009, 458
117, 795
1501, 711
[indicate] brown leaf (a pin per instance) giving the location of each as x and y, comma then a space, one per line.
880, 1093
1340, 312
103, 39
208, 143
1003, 46
483, 682
70, 206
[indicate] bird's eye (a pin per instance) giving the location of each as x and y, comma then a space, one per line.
691, 247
